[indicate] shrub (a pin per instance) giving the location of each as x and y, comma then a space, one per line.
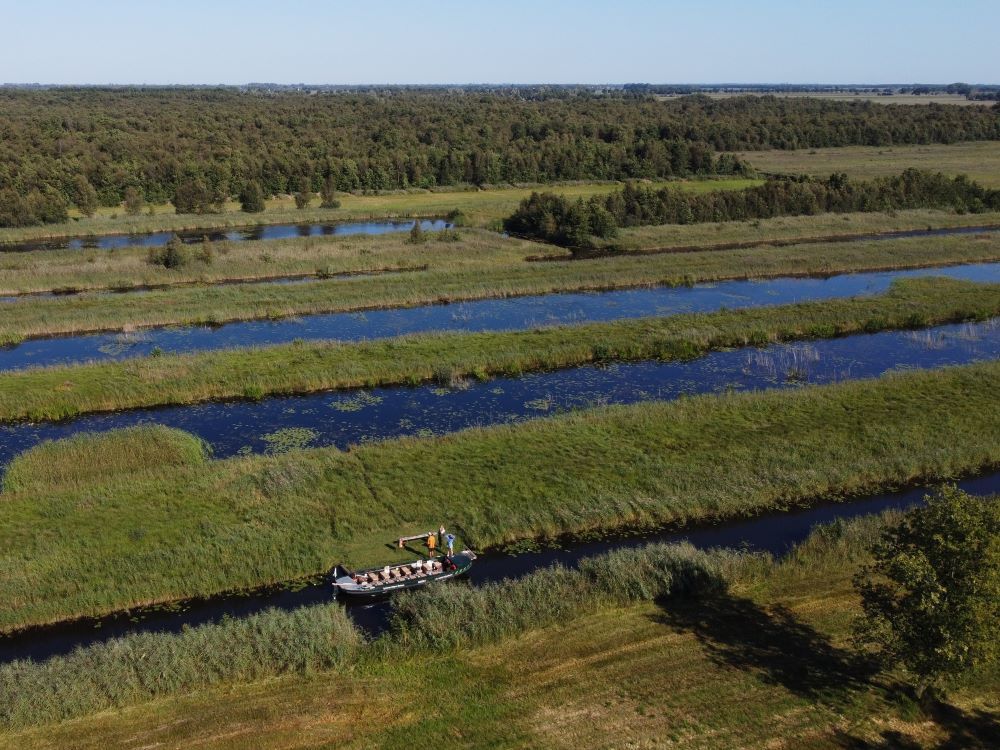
417, 235
171, 255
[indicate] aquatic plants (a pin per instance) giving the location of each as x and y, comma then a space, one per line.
449, 358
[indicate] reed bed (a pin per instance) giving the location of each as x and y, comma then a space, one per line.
447, 617
79, 460
66, 391
486, 278
121, 540
143, 666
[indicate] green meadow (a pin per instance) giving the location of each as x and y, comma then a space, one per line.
980, 160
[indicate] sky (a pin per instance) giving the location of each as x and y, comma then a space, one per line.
498, 41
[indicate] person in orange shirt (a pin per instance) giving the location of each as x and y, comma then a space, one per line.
431, 545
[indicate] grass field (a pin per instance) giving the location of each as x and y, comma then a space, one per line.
979, 160
481, 207
490, 267
125, 268
60, 392
766, 664
140, 534
674, 237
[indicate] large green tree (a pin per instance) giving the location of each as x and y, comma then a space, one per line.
84, 195
931, 595
252, 198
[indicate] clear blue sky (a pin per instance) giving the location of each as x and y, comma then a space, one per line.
519, 41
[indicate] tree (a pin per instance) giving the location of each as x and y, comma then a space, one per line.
133, 201
252, 198
193, 196
328, 194
84, 195
304, 194
931, 596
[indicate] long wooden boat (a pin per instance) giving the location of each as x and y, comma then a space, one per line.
378, 581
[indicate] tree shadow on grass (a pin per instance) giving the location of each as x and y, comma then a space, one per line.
773, 643
964, 730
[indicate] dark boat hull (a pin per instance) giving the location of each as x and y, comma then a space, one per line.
347, 587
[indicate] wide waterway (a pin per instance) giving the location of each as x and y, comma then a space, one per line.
238, 234
351, 417
515, 313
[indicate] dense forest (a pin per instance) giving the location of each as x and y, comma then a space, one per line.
89, 147
556, 219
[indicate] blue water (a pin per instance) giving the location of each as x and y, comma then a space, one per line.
515, 313
347, 418
242, 234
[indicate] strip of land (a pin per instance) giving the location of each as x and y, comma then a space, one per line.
475, 276
67, 391
127, 268
93, 525
480, 207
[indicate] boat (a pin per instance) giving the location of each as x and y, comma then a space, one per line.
379, 581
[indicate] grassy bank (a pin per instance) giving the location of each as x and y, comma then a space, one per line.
169, 532
823, 227
129, 268
979, 160
480, 206
765, 663
476, 275
60, 392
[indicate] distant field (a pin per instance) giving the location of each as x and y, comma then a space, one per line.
979, 160
846, 96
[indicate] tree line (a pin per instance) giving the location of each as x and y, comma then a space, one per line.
562, 221
197, 147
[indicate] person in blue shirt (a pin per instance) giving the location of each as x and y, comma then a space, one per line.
450, 538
